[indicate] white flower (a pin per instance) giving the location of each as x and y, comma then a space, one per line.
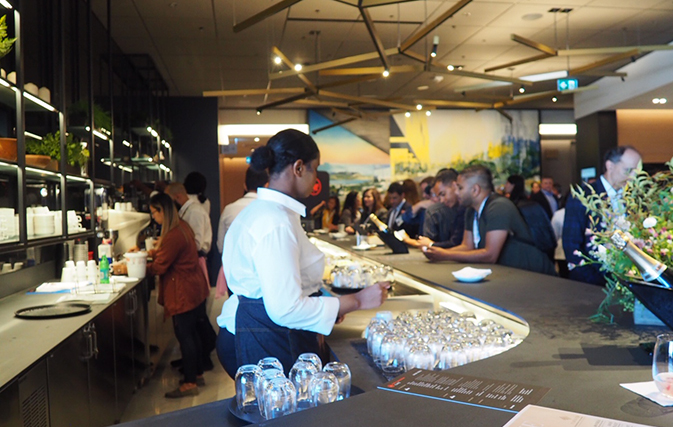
623, 224
602, 250
650, 222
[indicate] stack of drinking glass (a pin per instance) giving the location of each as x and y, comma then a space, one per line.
433, 340
356, 276
264, 388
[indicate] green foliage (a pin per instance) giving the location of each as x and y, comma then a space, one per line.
80, 111
50, 146
647, 220
6, 43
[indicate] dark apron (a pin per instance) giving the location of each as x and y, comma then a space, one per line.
257, 336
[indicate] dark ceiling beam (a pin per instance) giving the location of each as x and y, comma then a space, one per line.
259, 17
378, 44
519, 62
363, 100
455, 104
284, 101
609, 60
535, 45
417, 36
335, 124
611, 50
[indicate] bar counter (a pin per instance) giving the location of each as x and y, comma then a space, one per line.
582, 362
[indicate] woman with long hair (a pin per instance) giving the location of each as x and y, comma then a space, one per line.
372, 204
515, 188
274, 270
350, 215
183, 289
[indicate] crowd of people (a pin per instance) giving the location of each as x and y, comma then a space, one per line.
273, 273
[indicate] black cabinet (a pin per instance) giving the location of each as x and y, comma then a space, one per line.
10, 414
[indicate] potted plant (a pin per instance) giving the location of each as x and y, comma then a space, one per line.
647, 221
78, 115
50, 146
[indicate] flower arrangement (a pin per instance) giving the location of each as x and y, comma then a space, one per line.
646, 218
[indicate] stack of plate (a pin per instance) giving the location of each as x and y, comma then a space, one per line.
44, 224
8, 229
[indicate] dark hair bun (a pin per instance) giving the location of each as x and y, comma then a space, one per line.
262, 158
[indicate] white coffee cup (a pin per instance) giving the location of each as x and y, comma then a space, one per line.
7, 267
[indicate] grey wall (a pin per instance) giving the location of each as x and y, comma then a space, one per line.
193, 121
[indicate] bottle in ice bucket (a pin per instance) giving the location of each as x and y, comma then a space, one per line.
104, 270
650, 268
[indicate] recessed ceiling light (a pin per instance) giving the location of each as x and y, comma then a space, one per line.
428, 113
386, 73
407, 114
450, 67
522, 89
419, 107
257, 139
438, 79
554, 99
659, 101
277, 60
424, 87
297, 67
531, 16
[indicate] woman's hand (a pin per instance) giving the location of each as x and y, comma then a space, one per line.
368, 298
349, 230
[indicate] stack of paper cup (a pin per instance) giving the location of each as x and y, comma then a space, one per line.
92, 271
69, 273
81, 271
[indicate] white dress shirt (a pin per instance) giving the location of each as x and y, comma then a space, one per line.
205, 205
476, 237
615, 196
199, 221
230, 212
268, 255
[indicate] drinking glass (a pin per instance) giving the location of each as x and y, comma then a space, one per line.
343, 376
280, 398
323, 388
261, 381
421, 357
311, 358
392, 355
270, 362
246, 399
300, 375
662, 364
374, 342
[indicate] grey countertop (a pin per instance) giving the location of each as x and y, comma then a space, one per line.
581, 362
26, 341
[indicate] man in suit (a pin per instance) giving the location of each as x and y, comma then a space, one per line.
619, 166
398, 206
546, 197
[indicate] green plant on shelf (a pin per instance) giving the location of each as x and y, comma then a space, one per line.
6, 43
78, 115
50, 145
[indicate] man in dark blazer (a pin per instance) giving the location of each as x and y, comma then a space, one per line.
619, 165
398, 206
545, 197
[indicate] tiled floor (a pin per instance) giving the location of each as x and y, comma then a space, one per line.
150, 400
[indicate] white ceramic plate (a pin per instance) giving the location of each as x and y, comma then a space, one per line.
471, 275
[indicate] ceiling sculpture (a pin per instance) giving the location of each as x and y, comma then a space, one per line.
345, 71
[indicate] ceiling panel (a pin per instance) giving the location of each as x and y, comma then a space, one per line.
514, 17
598, 17
323, 9
179, 9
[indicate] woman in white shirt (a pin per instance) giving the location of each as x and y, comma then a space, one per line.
274, 271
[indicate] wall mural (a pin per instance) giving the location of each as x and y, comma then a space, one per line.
352, 162
420, 145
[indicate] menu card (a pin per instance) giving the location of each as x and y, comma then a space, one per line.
537, 416
445, 385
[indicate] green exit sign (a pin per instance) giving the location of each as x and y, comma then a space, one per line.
566, 84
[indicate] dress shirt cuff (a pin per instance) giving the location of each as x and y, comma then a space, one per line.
331, 312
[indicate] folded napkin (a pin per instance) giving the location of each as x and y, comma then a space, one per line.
468, 273
649, 391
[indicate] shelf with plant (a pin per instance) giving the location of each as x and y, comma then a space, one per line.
648, 222
77, 154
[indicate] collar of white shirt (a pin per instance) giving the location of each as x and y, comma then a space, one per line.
282, 199
610, 190
184, 207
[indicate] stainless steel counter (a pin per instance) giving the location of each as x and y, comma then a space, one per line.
24, 342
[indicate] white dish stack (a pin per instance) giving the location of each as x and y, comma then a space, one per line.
9, 224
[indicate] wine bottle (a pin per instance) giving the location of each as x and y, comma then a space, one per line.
651, 269
378, 223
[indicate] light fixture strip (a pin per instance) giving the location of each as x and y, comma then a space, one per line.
28, 168
38, 101
6, 4
566, 129
32, 135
